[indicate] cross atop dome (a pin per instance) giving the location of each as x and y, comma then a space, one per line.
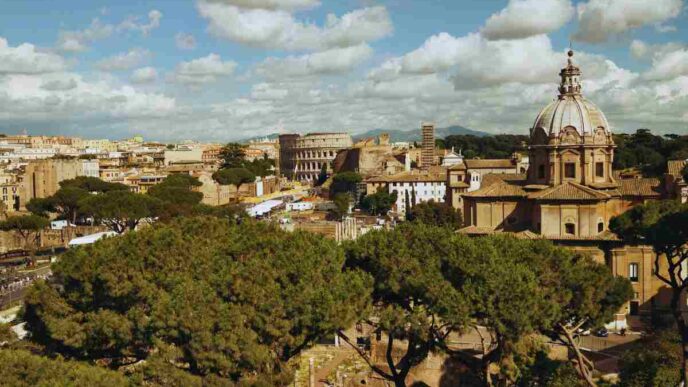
570, 79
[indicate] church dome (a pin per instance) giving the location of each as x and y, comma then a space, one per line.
571, 109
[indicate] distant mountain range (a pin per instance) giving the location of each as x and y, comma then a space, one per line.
397, 135
415, 134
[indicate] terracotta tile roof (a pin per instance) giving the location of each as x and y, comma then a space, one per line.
489, 163
459, 184
569, 191
474, 230
674, 167
645, 187
501, 189
603, 236
411, 176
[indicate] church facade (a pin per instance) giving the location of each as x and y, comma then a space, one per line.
570, 192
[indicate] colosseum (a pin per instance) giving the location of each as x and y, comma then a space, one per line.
304, 156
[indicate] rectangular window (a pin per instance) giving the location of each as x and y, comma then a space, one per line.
541, 171
570, 228
570, 170
633, 272
599, 169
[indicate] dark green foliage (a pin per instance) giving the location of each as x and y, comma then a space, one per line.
345, 182
29, 227
176, 195
65, 202
684, 173
379, 203
6, 334
501, 146
21, 368
342, 202
415, 295
426, 274
647, 151
655, 361
664, 226
40, 206
636, 224
260, 167
438, 214
322, 176
234, 176
93, 184
120, 210
234, 301
232, 155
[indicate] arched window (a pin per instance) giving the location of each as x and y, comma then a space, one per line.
600, 226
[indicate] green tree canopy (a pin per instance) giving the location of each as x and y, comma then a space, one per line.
664, 226
7, 335
342, 204
177, 196
233, 155
234, 176
41, 206
29, 227
432, 280
65, 202
379, 203
21, 368
653, 361
93, 184
120, 210
345, 182
433, 213
648, 152
415, 297
235, 301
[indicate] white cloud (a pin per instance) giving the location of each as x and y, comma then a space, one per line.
68, 96
271, 4
268, 91
334, 61
185, 41
59, 84
599, 20
144, 75
124, 60
132, 23
668, 65
278, 29
203, 70
25, 59
76, 41
643, 51
525, 18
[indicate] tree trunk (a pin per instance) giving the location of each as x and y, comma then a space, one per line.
682, 330
583, 362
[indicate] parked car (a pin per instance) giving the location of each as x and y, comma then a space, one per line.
602, 332
583, 331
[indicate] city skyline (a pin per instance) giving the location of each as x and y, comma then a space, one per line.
233, 69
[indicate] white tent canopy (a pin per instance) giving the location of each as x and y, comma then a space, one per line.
90, 239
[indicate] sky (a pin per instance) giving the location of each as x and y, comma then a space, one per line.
220, 70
